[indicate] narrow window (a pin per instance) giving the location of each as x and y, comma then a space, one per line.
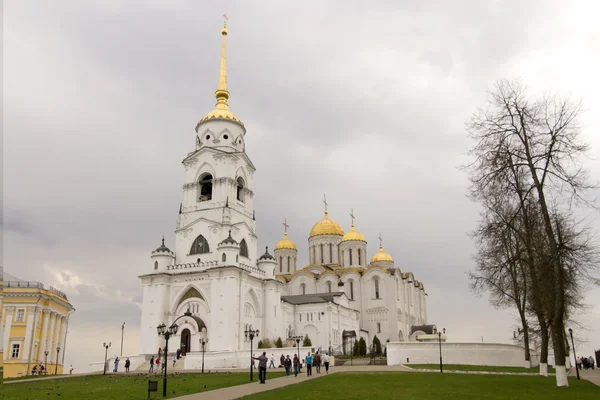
223, 257
20, 315
350, 256
289, 264
351, 290
15, 350
359, 257
243, 248
379, 327
155, 264
376, 288
331, 254
300, 317
280, 264
329, 286
322, 256
240, 189
205, 187
303, 287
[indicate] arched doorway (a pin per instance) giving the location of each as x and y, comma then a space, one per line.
186, 341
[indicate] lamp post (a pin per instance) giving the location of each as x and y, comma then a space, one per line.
250, 334
56, 367
166, 333
46, 362
106, 346
440, 342
203, 342
298, 339
122, 332
574, 354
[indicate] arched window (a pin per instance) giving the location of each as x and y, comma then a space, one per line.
200, 246
350, 256
288, 264
322, 256
359, 257
223, 257
280, 264
205, 184
240, 189
243, 248
379, 327
330, 253
303, 288
155, 264
329, 286
351, 290
376, 288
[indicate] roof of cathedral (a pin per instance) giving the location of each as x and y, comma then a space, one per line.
285, 243
353, 234
381, 256
222, 110
267, 255
311, 298
229, 240
162, 247
326, 226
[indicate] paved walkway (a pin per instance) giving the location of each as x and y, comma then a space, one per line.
592, 375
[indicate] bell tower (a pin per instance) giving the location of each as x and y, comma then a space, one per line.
217, 189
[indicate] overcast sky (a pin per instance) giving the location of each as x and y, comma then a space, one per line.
364, 103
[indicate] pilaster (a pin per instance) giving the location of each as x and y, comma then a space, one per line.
29, 332
7, 328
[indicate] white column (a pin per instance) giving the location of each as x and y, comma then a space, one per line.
43, 344
63, 330
31, 310
7, 327
50, 338
55, 337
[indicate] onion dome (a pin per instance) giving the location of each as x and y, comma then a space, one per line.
162, 248
285, 243
381, 256
229, 240
267, 255
353, 234
326, 226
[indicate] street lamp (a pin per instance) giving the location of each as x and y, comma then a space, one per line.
106, 346
250, 334
166, 333
122, 333
46, 362
574, 354
298, 339
203, 342
56, 368
440, 342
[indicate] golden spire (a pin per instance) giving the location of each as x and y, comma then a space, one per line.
380, 242
285, 243
222, 94
352, 216
325, 202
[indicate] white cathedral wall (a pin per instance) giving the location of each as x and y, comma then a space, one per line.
154, 311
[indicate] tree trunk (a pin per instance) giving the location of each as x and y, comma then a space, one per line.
544, 348
525, 337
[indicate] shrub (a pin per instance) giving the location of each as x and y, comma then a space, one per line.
278, 343
362, 346
377, 345
356, 349
307, 342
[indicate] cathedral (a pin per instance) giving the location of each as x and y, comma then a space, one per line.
216, 284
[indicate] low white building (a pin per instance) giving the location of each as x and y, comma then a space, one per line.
216, 272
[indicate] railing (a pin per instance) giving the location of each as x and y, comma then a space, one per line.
205, 264
34, 285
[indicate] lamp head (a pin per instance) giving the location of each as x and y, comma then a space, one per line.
570, 331
444, 330
256, 332
173, 329
161, 329
57, 349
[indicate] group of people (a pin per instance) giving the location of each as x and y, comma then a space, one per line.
287, 363
127, 364
41, 370
586, 363
158, 360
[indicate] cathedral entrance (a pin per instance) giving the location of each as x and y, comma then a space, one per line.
186, 341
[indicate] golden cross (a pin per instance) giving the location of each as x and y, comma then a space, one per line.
325, 202
225, 20
380, 240
285, 225
352, 215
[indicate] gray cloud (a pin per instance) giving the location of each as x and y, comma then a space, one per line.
366, 104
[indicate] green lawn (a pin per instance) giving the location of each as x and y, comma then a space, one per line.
426, 386
121, 386
487, 368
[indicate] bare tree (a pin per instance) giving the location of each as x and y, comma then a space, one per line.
531, 150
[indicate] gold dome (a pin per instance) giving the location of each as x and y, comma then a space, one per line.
326, 226
285, 243
353, 235
381, 256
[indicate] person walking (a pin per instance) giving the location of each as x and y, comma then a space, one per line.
296, 364
326, 362
272, 364
262, 367
317, 362
151, 370
174, 359
116, 365
71, 369
127, 364
282, 361
287, 363
309, 361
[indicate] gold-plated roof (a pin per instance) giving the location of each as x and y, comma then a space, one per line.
285, 243
326, 226
352, 234
221, 110
381, 256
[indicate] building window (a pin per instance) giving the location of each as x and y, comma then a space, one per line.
205, 184
280, 264
303, 288
351, 290
379, 327
155, 264
16, 348
200, 246
20, 315
322, 256
359, 257
223, 257
350, 256
376, 288
331, 254
243, 248
240, 189
329, 286
300, 317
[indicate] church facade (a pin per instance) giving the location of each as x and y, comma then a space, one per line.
217, 273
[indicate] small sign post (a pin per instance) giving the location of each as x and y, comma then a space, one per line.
152, 387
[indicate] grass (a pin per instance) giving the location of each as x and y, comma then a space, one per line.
487, 368
124, 387
25, 377
425, 386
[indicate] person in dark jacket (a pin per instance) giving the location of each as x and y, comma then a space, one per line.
262, 367
127, 364
296, 363
287, 363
